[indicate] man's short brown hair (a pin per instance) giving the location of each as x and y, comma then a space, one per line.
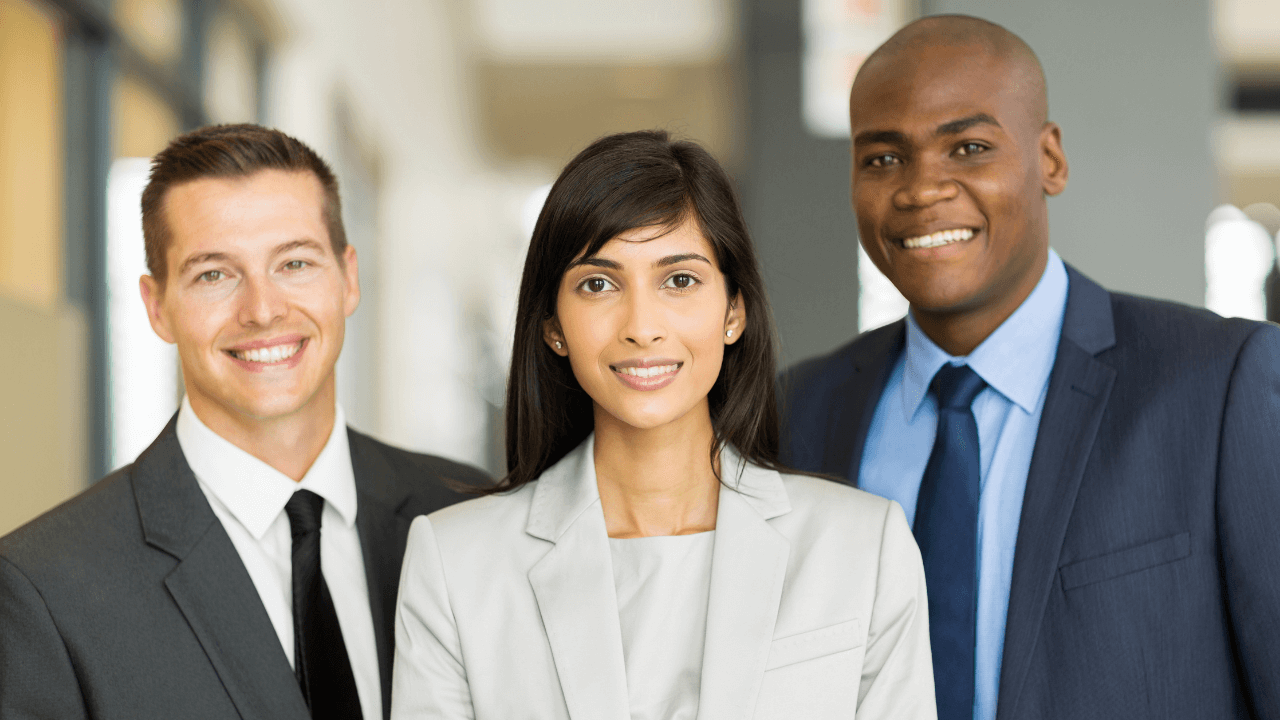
229, 151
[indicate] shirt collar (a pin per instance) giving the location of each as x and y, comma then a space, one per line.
255, 492
1015, 360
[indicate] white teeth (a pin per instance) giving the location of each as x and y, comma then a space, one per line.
649, 371
268, 355
938, 239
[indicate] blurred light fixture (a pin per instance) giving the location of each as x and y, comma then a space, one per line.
1238, 255
879, 302
838, 36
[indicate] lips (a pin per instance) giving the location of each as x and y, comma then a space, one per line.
279, 351
937, 239
649, 374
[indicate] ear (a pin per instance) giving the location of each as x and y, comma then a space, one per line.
735, 320
1053, 160
554, 337
153, 299
351, 281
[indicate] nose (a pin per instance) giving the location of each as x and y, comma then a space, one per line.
924, 184
261, 302
643, 325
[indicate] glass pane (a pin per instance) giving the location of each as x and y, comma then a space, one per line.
153, 26
30, 155
142, 369
231, 73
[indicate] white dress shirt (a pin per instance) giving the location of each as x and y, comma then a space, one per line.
249, 496
663, 584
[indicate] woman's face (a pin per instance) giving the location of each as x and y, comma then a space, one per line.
644, 324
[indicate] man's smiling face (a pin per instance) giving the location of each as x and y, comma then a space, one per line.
255, 298
951, 164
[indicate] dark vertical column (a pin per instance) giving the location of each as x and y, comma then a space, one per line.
87, 99
795, 189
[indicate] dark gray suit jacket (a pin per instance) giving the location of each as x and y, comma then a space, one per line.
129, 601
1146, 578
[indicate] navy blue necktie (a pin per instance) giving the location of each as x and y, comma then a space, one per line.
946, 529
320, 658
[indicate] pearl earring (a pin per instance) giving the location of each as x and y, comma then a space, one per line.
728, 333
558, 345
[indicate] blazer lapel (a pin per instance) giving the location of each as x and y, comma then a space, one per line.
855, 400
1079, 387
384, 530
748, 569
573, 584
211, 587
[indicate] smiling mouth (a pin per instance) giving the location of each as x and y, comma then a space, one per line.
647, 372
269, 355
938, 239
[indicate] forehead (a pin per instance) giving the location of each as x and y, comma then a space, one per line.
926, 86
227, 214
643, 244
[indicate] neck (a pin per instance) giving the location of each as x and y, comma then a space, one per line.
656, 481
289, 443
960, 332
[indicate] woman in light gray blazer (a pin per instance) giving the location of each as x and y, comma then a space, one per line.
646, 557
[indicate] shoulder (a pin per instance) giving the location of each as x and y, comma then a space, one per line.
816, 377
95, 525
433, 481
488, 521
821, 499
1181, 337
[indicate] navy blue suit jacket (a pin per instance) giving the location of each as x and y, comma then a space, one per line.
1146, 577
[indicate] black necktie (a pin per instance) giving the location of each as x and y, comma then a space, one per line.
946, 529
319, 655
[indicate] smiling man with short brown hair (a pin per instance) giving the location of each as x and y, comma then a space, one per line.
1092, 477
247, 564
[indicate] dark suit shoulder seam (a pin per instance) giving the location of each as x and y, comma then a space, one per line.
43, 602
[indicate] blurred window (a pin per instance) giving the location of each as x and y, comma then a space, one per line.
153, 27
30, 155
142, 369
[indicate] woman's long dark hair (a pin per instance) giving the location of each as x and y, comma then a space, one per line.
619, 183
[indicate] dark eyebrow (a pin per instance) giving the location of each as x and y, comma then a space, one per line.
888, 137
594, 262
958, 126
673, 259
202, 258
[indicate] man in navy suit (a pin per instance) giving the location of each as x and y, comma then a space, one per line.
1108, 546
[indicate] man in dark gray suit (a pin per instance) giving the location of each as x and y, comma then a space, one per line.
1094, 478
247, 564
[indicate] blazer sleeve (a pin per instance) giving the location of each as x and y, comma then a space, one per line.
429, 681
1248, 505
37, 680
897, 670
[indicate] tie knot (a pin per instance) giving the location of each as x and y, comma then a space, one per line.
957, 386
304, 510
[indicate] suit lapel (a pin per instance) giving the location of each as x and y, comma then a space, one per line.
573, 584
1079, 387
855, 400
383, 532
748, 569
211, 587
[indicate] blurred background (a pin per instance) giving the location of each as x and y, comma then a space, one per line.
446, 120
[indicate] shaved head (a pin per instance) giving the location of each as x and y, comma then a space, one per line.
1017, 59
953, 159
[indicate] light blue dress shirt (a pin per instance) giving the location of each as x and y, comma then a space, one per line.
1015, 361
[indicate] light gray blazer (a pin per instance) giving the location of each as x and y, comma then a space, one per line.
817, 607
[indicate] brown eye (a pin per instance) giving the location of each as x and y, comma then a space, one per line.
595, 285
681, 281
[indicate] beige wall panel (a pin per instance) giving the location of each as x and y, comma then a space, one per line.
548, 112
1245, 189
43, 401
142, 123
30, 155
